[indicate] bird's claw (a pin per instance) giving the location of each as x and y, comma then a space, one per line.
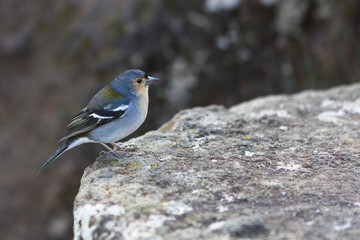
115, 151
124, 149
120, 155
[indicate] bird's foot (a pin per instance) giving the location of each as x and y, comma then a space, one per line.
120, 155
116, 154
115, 151
118, 148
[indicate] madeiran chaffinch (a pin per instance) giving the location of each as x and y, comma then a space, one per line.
112, 114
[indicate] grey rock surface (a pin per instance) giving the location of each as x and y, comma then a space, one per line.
277, 167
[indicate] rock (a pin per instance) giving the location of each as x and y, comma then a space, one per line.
277, 167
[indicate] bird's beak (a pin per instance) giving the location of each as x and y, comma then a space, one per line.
151, 80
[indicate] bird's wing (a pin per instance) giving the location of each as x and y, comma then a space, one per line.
106, 106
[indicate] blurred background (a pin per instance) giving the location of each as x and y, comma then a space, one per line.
55, 55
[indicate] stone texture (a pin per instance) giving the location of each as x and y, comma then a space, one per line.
277, 167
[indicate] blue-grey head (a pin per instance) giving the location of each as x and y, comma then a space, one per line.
133, 81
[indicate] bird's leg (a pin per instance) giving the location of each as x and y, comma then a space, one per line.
106, 146
112, 151
118, 148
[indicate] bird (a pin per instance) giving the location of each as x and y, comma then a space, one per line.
112, 114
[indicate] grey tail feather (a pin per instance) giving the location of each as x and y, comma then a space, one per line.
54, 156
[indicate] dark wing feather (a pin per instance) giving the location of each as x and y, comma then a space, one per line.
106, 106
88, 120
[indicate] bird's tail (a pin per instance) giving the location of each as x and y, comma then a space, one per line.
55, 155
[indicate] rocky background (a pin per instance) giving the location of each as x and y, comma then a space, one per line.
55, 55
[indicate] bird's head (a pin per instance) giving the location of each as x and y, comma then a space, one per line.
132, 81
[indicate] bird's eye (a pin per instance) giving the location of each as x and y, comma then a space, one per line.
139, 80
